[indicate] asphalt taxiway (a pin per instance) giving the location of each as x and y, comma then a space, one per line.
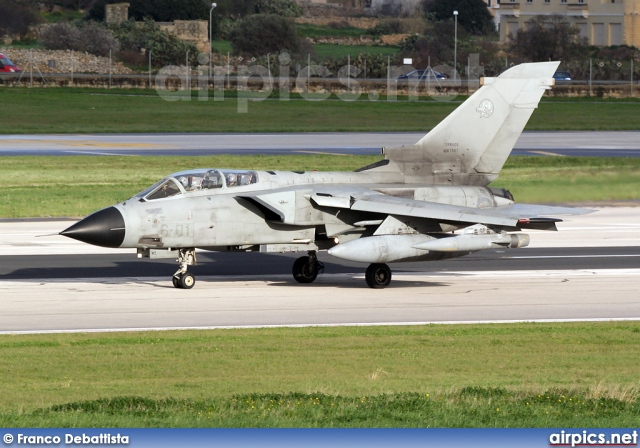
604, 144
586, 271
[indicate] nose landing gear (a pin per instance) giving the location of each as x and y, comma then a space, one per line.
183, 279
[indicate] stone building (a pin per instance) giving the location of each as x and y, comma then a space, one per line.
116, 12
193, 31
602, 22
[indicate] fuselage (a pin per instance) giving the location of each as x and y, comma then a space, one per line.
243, 210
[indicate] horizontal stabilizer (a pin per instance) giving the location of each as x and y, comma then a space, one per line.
514, 215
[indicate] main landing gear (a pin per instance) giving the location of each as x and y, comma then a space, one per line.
183, 279
378, 275
306, 269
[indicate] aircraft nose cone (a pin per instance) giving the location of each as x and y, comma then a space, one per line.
103, 228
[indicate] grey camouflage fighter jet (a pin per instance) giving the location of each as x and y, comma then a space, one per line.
427, 201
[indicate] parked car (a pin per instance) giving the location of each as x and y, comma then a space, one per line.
419, 75
6, 66
562, 76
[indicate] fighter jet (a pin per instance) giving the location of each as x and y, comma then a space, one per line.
424, 202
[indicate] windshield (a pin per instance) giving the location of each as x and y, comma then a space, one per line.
166, 189
5, 61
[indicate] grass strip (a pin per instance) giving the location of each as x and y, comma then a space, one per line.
75, 186
57, 111
469, 407
494, 375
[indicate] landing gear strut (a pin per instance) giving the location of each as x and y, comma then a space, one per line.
378, 275
306, 269
183, 279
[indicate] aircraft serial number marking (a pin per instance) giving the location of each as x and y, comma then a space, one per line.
450, 147
178, 230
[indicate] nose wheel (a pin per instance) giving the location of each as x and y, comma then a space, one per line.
183, 279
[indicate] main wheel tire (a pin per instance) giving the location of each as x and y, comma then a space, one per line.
187, 280
378, 275
304, 271
176, 282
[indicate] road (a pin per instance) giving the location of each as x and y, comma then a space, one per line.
613, 144
586, 271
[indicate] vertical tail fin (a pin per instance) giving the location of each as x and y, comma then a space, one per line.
471, 145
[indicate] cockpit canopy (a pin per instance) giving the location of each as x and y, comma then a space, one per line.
196, 180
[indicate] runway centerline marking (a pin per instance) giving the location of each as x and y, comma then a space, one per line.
323, 153
546, 153
95, 153
574, 256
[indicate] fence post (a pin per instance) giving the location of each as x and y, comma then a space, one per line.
186, 68
349, 72
109, 68
590, 75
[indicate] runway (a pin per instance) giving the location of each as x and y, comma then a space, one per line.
604, 144
586, 271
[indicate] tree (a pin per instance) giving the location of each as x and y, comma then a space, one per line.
549, 38
473, 15
284, 8
235, 9
17, 16
61, 36
91, 37
436, 44
260, 34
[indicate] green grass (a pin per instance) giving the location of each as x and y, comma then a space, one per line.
311, 30
75, 186
459, 408
62, 16
221, 46
508, 375
63, 111
571, 179
326, 51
